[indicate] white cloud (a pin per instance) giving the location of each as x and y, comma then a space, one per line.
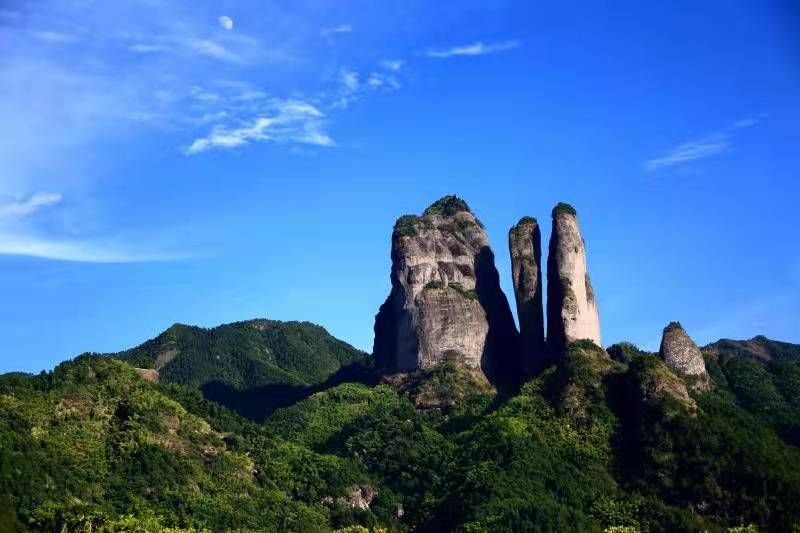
16, 240
289, 121
343, 28
75, 250
213, 49
53, 37
191, 46
708, 146
392, 64
377, 80
148, 48
349, 79
28, 206
198, 93
476, 49
352, 88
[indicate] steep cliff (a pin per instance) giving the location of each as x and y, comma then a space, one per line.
525, 246
571, 306
682, 355
446, 302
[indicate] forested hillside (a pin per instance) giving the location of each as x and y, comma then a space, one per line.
593, 443
252, 367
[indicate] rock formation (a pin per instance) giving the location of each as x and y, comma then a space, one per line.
148, 374
446, 301
571, 306
525, 246
682, 355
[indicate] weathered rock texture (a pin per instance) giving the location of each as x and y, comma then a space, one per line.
571, 306
525, 245
446, 302
682, 355
148, 374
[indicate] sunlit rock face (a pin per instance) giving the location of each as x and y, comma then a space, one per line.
572, 312
682, 356
525, 246
446, 301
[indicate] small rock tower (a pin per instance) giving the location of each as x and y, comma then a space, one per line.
682, 356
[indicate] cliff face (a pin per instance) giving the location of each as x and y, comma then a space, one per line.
446, 302
571, 306
682, 355
525, 246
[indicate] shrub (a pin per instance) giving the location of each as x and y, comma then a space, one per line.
448, 206
564, 209
406, 226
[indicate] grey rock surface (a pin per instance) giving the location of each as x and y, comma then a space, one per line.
572, 312
682, 355
525, 246
446, 301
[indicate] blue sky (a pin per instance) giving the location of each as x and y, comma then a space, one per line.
161, 164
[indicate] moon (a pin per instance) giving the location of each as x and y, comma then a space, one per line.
226, 23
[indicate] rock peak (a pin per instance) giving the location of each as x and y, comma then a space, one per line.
525, 246
572, 312
682, 355
446, 302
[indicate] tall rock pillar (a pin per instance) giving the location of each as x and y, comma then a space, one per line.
446, 302
525, 246
571, 306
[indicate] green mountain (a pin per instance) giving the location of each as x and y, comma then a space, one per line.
591, 444
758, 348
245, 354
93, 447
252, 366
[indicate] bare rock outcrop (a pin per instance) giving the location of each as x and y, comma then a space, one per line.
148, 374
446, 302
525, 246
682, 355
572, 312
357, 497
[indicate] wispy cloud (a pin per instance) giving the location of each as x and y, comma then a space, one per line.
475, 49
76, 250
350, 80
352, 86
53, 37
704, 147
213, 49
28, 206
392, 64
342, 28
148, 48
290, 121
194, 46
18, 238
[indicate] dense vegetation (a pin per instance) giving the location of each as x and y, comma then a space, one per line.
245, 354
593, 444
253, 366
565, 209
447, 206
527, 220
